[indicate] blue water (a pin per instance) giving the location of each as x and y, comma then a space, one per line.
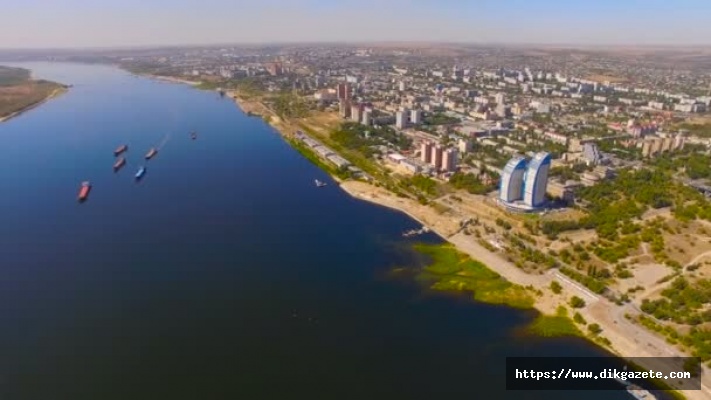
224, 273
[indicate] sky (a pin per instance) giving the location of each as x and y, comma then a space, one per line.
126, 23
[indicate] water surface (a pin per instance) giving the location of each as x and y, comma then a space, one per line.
224, 273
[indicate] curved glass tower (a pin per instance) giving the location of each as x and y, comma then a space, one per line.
511, 188
536, 180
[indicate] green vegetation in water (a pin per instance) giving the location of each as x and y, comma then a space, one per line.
554, 325
455, 271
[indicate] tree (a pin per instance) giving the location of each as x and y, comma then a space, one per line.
556, 287
594, 329
470, 183
579, 319
577, 302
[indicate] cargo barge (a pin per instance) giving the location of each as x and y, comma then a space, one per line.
151, 153
119, 164
140, 173
84, 191
120, 150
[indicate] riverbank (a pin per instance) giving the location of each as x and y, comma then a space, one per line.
626, 339
169, 79
55, 93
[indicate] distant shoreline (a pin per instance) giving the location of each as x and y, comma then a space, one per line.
55, 93
168, 79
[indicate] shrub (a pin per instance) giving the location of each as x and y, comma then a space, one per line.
594, 329
577, 302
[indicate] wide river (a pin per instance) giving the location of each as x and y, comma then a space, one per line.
225, 273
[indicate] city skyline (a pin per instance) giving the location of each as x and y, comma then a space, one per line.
79, 23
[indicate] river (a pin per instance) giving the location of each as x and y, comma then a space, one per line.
223, 274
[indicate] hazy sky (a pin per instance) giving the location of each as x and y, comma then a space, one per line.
90, 23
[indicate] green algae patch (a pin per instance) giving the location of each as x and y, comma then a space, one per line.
554, 325
452, 270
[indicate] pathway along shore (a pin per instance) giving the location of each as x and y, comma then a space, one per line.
627, 340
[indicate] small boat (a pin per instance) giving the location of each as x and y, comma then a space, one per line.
121, 149
193, 135
151, 153
84, 191
319, 183
140, 173
119, 164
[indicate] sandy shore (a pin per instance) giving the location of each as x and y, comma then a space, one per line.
172, 79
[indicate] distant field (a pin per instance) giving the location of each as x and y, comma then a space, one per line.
13, 76
18, 91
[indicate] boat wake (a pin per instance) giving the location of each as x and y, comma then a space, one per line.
163, 142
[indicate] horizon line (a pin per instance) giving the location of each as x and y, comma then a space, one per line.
355, 43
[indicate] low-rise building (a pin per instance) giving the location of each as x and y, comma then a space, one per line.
338, 160
410, 166
563, 190
323, 151
465, 145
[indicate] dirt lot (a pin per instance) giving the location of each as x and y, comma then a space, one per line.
323, 122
